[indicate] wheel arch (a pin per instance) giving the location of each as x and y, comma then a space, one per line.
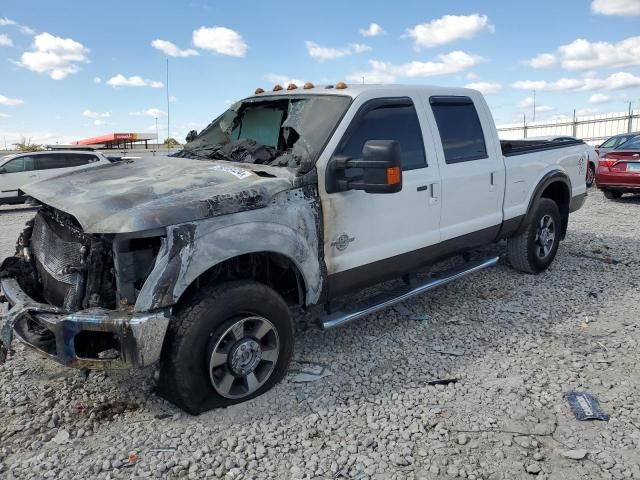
556, 186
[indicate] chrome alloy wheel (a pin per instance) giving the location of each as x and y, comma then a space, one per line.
244, 357
545, 237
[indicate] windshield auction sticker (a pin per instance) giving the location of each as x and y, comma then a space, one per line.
236, 172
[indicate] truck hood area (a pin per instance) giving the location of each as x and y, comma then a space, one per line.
153, 192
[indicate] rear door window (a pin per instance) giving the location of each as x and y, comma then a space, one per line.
63, 160
460, 129
14, 166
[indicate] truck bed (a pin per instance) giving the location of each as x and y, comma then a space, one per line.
520, 147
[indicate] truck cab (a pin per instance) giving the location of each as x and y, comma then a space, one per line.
294, 197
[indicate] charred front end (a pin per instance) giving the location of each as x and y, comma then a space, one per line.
72, 294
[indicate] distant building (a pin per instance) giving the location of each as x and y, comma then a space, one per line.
118, 140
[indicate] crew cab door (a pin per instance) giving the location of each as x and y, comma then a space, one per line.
471, 168
368, 236
16, 173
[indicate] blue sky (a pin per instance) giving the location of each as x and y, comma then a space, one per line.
74, 69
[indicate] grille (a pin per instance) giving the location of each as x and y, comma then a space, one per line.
53, 254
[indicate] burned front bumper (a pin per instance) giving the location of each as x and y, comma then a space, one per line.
94, 338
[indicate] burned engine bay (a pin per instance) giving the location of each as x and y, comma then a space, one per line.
287, 131
58, 264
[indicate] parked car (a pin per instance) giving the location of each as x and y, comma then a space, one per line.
592, 154
614, 142
296, 197
21, 169
619, 171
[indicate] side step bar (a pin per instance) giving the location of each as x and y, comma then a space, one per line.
387, 299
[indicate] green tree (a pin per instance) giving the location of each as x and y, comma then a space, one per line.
171, 142
25, 145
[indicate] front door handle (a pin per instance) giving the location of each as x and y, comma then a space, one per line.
492, 182
422, 188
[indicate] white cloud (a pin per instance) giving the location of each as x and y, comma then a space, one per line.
486, 88
526, 102
616, 7
220, 40
27, 30
92, 114
329, 53
4, 21
134, 81
612, 82
544, 60
4, 115
599, 98
11, 102
172, 99
582, 54
5, 40
172, 49
283, 80
587, 111
97, 80
56, 56
151, 112
472, 76
544, 108
99, 122
448, 29
373, 30
387, 72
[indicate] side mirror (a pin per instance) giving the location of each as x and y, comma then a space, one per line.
597, 146
378, 171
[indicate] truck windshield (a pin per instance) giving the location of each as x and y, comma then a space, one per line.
288, 131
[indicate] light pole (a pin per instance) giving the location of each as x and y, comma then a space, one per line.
157, 136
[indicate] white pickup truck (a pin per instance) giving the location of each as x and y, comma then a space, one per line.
298, 196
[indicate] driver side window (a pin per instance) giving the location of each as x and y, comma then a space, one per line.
387, 120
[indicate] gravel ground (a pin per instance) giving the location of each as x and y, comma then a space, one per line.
515, 343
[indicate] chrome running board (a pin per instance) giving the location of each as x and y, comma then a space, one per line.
387, 299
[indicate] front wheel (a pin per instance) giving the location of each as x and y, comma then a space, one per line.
533, 250
229, 343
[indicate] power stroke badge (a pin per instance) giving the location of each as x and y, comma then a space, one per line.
343, 242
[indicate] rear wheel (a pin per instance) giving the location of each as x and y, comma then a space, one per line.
533, 250
612, 194
228, 344
591, 174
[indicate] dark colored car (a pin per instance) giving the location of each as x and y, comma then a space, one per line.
614, 142
619, 171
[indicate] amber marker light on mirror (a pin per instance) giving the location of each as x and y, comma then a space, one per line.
393, 175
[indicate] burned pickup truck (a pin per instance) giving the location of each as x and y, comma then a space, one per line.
295, 197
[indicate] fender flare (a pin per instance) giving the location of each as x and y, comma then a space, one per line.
191, 252
549, 178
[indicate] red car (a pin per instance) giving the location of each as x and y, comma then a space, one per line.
618, 171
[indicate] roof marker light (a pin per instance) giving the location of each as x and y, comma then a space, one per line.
258, 91
308, 85
341, 85
277, 88
292, 86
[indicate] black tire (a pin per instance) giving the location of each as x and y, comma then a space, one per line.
201, 323
612, 194
525, 251
591, 174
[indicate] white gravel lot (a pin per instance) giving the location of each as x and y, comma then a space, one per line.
516, 344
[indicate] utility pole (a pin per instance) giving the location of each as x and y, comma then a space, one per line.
363, 79
157, 136
534, 105
168, 112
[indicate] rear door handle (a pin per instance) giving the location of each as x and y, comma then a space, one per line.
435, 194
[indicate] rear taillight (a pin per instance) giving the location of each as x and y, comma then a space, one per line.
607, 161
